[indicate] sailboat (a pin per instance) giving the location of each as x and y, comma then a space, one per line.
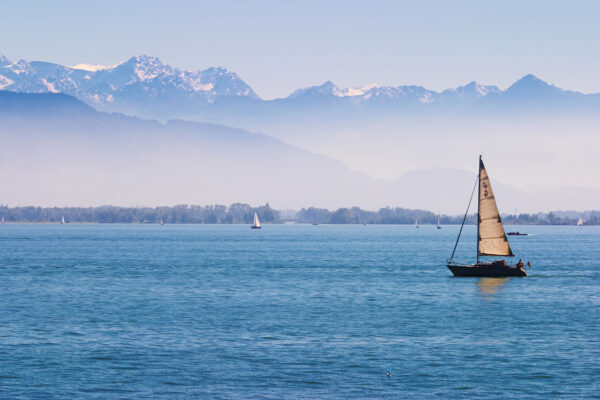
161, 221
580, 222
62, 221
491, 239
438, 224
256, 224
416, 222
3, 219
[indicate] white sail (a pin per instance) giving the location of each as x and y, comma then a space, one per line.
492, 240
416, 222
256, 220
580, 222
438, 225
3, 219
62, 221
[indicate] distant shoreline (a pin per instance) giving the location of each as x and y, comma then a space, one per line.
239, 213
263, 224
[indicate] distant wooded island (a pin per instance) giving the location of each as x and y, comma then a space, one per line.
240, 213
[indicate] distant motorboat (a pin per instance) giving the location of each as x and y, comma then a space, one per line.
580, 222
256, 224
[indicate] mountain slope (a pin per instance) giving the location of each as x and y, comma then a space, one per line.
59, 151
59, 155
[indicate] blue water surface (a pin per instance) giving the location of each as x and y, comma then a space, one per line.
293, 311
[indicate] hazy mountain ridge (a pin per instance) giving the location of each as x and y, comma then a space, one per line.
59, 151
93, 158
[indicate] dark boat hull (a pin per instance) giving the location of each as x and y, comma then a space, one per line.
486, 270
255, 227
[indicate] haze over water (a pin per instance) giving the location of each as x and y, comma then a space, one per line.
189, 311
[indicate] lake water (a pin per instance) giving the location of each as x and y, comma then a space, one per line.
293, 311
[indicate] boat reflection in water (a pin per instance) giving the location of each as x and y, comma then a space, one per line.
490, 286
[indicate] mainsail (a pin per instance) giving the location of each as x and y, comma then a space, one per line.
256, 220
492, 240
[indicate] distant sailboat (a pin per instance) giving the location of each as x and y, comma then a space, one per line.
3, 219
580, 222
416, 222
256, 224
491, 239
161, 221
62, 221
438, 224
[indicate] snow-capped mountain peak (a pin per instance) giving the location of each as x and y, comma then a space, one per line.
330, 89
355, 91
371, 92
122, 87
470, 91
91, 67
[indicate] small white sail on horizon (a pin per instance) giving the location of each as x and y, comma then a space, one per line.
492, 240
161, 221
256, 223
438, 224
62, 221
580, 222
416, 222
3, 219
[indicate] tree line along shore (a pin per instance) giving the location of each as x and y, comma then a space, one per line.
239, 213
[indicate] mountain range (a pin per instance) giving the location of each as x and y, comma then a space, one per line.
137, 85
144, 86
59, 151
540, 136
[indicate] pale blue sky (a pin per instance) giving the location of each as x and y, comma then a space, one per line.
279, 46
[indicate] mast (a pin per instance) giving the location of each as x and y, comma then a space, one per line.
463, 221
478, 205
